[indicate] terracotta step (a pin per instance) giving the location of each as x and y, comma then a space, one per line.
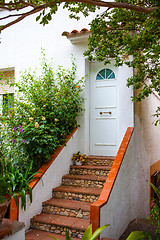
102, 161
57, 224
77, 193
34, 234
83, 180
68, 208
101, 157
90, 170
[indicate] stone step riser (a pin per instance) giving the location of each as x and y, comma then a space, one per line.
98, 162
66, 212
82, 183
56, 229
75, 196
60, 214
82, 171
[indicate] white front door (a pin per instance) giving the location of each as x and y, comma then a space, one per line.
103, 110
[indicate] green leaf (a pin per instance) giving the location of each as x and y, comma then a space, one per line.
2, 199
88, 233
137, 235
155, 189
149, 236
23, 199
98, 232
67, 235
16, 199
53, 237
30, 193
38, 17
157, 235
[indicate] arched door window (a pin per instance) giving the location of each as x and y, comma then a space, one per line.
104, 74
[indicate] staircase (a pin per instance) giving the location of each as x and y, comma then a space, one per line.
69, 206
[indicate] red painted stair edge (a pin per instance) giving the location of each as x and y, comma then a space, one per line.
108, 186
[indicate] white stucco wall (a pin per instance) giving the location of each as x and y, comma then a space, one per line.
125, 105
151, 133
130, 194
21, 43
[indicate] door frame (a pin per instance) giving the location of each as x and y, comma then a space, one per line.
126, 108
109, 147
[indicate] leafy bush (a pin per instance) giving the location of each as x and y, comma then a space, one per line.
45, 111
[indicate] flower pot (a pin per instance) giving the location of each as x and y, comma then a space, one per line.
3, 208
78, 163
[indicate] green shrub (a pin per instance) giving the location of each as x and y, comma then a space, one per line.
45, 111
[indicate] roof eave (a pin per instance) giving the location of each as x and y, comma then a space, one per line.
78, 38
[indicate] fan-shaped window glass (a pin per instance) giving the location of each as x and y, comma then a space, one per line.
105, 74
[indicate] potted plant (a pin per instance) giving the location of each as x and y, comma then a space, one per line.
78, 158
14, 183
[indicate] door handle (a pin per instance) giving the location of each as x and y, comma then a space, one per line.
105, 112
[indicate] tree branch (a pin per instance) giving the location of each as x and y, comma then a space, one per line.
22, 4
93, 2
13, 6
115, 5
14, 9
35, 10
13, 15
13, 3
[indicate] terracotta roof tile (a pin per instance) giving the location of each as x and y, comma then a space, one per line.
76, 32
